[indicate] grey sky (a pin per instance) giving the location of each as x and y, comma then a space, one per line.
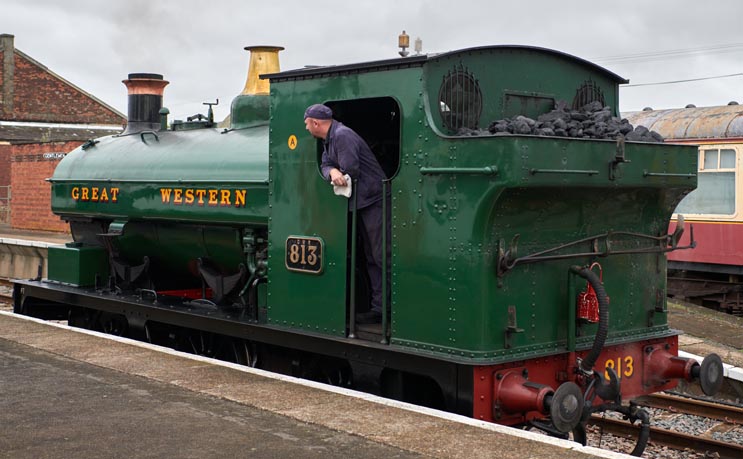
198, 45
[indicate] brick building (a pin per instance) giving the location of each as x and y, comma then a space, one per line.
42, 118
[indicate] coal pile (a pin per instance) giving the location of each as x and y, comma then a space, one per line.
592, 121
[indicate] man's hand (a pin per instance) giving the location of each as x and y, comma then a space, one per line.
336, 177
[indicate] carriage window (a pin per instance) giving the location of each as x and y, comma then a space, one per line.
727, 159
710, 159
715, 193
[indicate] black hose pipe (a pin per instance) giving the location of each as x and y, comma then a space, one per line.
603, 331
644, 436
631, 412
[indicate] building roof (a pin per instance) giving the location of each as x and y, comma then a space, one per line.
15, 132
720, 122
37, 105
71, 85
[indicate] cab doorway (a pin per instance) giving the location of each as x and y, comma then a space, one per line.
378, 122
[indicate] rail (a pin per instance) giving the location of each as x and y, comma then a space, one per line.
724, 414
6, 294
675, 404
671, 438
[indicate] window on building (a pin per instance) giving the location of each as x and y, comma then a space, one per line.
715, 193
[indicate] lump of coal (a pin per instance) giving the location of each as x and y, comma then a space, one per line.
592, 121
521, 127
463, 131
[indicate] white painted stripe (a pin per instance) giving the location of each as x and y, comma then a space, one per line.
729, 371
566, 444
28, 243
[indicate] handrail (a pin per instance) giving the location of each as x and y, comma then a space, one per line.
158, 181
385, 304
486, 170
645, 173
563, 171
352, 286
507, 259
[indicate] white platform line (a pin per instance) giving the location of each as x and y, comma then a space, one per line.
28, 242
729, 371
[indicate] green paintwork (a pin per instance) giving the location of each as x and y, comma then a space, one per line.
78, 266
141, 166
516, 81
249, 110
174, 248
466, 308
147, 170
457, 202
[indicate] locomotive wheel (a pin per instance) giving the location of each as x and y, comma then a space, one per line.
243, 352
326, 370
338, 376
203, 343
112, 324
220, 347
81, 318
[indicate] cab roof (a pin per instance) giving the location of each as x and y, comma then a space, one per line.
419, 61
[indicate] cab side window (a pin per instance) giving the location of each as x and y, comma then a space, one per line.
716, 181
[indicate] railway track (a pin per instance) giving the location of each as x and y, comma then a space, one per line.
6, 294
720, 295
722, 419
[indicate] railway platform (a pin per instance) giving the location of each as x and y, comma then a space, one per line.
75, 393
23, 252
707, 331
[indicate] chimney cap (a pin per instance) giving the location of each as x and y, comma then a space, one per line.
7, 39
145, 76
264, 48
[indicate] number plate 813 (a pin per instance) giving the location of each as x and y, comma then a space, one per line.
304, 254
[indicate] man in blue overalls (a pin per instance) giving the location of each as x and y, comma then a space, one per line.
346, 153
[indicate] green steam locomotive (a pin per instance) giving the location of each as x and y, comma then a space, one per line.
527, 270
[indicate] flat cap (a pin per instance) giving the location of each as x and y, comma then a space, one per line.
318, 112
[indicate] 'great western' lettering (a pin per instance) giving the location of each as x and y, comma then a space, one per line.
95, 194
203, 197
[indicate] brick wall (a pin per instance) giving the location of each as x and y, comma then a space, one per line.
31, 92
41, 96
30, 206
4, 165
4, 181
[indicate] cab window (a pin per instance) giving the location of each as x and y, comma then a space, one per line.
715, 193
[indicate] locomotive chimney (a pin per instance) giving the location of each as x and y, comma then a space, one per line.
145, 101
7, 71
250, 107
263, 59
